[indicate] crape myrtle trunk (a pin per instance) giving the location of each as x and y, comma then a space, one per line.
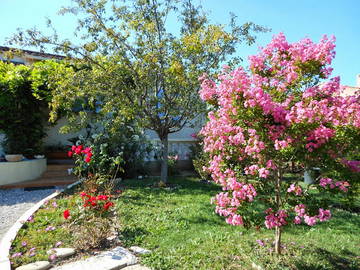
278, 204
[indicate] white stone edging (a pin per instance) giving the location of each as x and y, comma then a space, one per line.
10, 235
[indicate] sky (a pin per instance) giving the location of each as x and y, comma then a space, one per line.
295, 18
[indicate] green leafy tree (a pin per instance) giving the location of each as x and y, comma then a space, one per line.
134, 67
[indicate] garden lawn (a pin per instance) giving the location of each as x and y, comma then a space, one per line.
180, 227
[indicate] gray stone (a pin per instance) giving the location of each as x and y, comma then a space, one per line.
139, 250
116, 258
40, 265
136, 267
61, 252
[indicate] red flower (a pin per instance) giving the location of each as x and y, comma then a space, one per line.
73, 148
66, 214
107, 205
87, 159
102, 198
78, 149
83, 194
87, 150
70, 154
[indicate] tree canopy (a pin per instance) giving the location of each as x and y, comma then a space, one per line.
133, 66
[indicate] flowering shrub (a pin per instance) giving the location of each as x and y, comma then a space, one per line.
277, 113
94, 159
91, 220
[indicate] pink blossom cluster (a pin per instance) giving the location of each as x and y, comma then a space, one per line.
353, 165
275, 219
300, 210
275, 109
328, 182
297, 190
318, 137
228, 202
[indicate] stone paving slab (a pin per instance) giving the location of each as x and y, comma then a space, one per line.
114, 259
139, 250
40, 265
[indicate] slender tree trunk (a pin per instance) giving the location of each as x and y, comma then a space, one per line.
278, 240
278, 205
164, 160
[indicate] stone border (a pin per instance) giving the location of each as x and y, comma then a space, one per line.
10, 235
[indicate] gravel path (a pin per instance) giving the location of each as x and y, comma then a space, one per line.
15, 202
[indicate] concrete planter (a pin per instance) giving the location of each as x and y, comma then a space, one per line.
14, 172
14, 158
310, 175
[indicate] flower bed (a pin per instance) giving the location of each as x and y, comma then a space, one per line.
77, 219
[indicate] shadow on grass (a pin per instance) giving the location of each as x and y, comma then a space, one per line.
180, 184
345, 262
131, 235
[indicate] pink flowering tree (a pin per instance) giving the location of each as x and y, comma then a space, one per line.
281, 110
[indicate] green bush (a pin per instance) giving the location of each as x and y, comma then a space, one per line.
119, 153
22, 115
199, 159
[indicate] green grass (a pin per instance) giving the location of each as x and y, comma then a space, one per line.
180, 227
182, 230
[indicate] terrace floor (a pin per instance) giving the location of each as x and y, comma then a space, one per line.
55, 175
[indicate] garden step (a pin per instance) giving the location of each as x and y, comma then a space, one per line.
40, 265
59, 167
60, 161
117, 258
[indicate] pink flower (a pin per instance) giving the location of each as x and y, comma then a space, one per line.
57, 244
277, 219
343, 186
52, 257
311, 221
324, 215
295, 189
300, 210
264, 173
270, 165
235, 220
297, 220
30, 219
324, 182
50, 228
260, 242
18, 254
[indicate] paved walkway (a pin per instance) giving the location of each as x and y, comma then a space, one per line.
15, 202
